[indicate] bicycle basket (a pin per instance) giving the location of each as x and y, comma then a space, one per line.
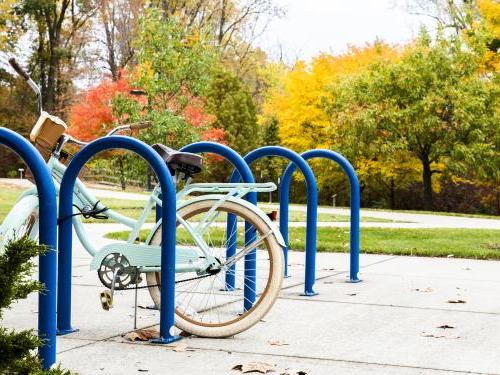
46, 132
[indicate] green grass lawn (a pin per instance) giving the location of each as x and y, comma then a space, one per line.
7, 198
460, 243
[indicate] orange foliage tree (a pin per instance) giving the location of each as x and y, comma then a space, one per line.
92, 115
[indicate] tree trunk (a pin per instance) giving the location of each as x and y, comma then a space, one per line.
498, 202
393, 195
122, 172
108, 21
427, 184
50, 95
222, 22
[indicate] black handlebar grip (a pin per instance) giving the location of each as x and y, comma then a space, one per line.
138, 92
18, 69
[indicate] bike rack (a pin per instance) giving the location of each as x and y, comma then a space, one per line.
312, 208
167, 308
48, 237
286, 180
244, 170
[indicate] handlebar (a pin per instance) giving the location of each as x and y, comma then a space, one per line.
18, 69
132, 126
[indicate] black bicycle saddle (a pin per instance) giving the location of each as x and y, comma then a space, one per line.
178, 161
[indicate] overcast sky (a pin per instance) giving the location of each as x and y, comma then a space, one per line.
312, 26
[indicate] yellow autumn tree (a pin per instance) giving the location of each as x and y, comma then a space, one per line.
7, 18
490, 14
295, 101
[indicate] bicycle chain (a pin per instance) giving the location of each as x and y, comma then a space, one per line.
177, 282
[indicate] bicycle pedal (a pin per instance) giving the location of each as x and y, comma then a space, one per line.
106, 300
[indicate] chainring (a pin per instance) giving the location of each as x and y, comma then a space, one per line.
126, 274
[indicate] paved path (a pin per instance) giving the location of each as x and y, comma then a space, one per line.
387, 324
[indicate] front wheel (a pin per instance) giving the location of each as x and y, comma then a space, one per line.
204, 306
21, 221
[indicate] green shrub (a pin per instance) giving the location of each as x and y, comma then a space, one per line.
17, 349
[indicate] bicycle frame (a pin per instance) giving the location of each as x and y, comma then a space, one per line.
224, 191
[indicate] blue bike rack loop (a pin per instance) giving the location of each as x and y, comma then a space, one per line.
167, 308
244, 170
286, 179
48, 237
312, 207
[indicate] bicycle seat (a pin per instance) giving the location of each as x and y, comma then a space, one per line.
178, 161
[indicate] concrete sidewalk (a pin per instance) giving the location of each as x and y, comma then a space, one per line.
387, 324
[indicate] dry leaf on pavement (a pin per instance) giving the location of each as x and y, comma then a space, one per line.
456, 301
260, 367
142, 335
445, 326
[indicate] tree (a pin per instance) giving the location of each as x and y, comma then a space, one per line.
119, 21
91, 116
8, 20
296, 99
457, 15
17, 112
58, 25
234, 111
432, 104
174, 68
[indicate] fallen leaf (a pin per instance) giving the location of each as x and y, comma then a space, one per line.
329, 282
278, 343
260, 367
142, 370
466, 269
351, 294
328, 269
142, 335
426, 290
456, 301
445, 326
185, 334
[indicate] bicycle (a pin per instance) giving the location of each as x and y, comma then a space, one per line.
205, 306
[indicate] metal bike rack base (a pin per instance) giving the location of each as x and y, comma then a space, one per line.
167, 309
48, 237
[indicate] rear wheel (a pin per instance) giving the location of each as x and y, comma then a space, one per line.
204, 306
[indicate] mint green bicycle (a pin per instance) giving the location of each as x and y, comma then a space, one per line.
204, 305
